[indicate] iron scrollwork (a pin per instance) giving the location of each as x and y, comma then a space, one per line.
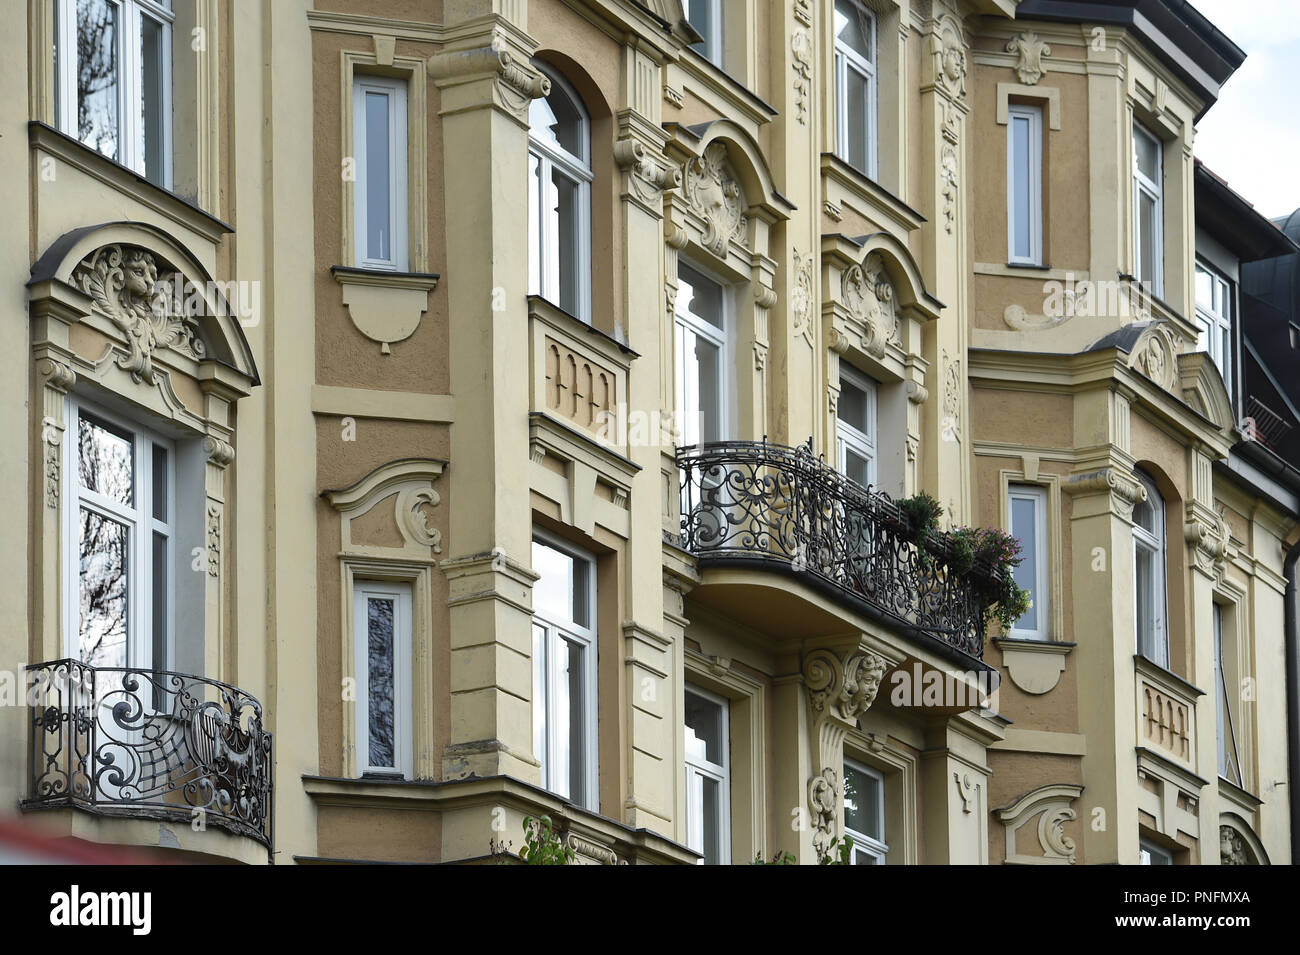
124, 741
748, 501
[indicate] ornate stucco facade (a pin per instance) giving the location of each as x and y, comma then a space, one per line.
377, 441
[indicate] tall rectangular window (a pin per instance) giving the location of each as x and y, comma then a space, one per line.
120, 541
564, 670
855, 85
380, 215
113, 80
706, 17
382, 631
708, 779
1214, 311
864, 814
1025, 185
1148, 210
1229, 762
702, 357
855, 426
1149, 586
1028, 510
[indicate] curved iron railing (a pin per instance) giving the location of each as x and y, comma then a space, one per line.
752, 501
152, 743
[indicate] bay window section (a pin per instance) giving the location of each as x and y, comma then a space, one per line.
855, 426
1028, 511
1214, 311
708, 779
564, 671
382, 641
1025, 185
1148, 210
1149, 584
703, 356
379, 142
113, 80
855, 85
864, 814
559, 199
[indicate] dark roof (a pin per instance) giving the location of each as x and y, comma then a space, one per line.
1175, 31
1122, 338
1235, 222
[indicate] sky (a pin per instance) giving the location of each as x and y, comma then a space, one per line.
1251, 136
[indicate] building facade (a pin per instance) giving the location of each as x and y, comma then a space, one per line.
429, 416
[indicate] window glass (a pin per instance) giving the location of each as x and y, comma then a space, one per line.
1020, 130
699, 296
379, 241
1148, 155
857, 92
380, 683
703, 728
862, 807
97, 75
105, 460
853, 29
103, 588
1024, 526
555, 120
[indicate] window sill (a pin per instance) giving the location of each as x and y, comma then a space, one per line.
125, 180
1030, 266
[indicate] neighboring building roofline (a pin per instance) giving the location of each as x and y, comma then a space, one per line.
1242, 229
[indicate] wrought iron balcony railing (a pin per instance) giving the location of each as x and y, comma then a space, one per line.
149, 743
756, 502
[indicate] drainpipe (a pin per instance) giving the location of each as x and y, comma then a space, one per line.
1292, 699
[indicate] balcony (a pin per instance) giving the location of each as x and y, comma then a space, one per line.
149, 744
783, 509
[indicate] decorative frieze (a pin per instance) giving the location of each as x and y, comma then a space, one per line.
801, 297
801, 50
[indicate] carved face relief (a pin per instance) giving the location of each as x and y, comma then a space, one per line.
123, 283
713, 192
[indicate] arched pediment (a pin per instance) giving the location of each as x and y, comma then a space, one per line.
155, 291
904, 275
1238, 844
745, 159
1203, 389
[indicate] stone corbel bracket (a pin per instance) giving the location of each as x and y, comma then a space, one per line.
1035, 666
514, 83
1124, 489
386, 307
1052, 805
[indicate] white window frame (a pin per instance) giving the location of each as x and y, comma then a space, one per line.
130, 80
847, 59
699, 769
1154, 188
1151, 854
403, 630
141, 525
1033, 116
1229, 761
1041, 594
686, 327
1153, 542
1216, 336
398, 213
713, 48
862, 843
551, 157
546, 681
850, 438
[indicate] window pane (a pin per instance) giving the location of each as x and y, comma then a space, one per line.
379, 236
1144, 574
539, 697
105, 460
534, 225
557, 122
572, 679
711, 819
97, 76
857, 467
699, 296
160, 591
561, 713
565, 234
1204, 289
1148, 155
158, 476
853, 28
862, 803
1020, 198
708, 361
553, 592
857, 94
152, 95
854, 407
700, 14
379, 685
704, 739
1146, 239
102, 584
1026, 574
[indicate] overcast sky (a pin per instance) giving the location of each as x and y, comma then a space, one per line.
1251, 136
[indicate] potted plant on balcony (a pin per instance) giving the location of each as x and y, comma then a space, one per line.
989, 557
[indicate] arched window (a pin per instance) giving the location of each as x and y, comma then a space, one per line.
1149, 588
559, 199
